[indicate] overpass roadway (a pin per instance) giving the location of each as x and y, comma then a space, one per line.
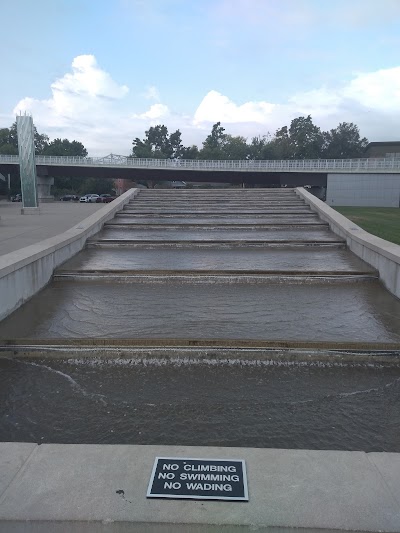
291, 172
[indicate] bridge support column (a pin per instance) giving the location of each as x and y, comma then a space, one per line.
44, 184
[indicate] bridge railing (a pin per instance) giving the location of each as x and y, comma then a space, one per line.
303, 165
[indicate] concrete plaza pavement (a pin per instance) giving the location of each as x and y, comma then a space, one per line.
18, 231
106, 484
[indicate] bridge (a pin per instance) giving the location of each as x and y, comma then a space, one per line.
293, 173
120, 162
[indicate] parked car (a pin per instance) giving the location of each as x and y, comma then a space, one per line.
89, 198
69, 198
105, 199
93, 198
16, 198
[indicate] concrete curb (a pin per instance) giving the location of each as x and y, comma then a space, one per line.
24, 272
383, 255
287, 488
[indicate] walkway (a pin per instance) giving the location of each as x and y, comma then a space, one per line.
18, 231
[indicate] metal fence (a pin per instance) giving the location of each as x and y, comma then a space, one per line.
303, 165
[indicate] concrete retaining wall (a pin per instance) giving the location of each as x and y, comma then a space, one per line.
373, 190
24, 272
382, 255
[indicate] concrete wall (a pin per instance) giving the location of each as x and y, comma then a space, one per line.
382, 149
382, 255
374, 190
24, 272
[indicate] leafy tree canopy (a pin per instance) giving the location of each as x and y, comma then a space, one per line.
65, 147
9, 141
214, 144
159, 144
344, 142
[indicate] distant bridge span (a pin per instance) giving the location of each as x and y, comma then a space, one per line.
293, 172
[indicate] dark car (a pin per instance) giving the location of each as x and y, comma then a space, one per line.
105, 199
16, 198
69, 198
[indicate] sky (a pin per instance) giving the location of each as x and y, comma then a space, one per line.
103, 71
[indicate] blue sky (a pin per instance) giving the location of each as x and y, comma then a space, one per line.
102, 71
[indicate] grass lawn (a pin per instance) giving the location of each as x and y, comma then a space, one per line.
381, 221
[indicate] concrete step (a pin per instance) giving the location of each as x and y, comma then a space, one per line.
223, 191
217, 219
237, 259
225, 308
252, 233
211, 276
212, 226
238, 212
217, 205
165, 244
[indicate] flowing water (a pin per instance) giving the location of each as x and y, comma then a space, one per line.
161, 331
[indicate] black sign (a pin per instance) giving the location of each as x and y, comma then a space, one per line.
198, 479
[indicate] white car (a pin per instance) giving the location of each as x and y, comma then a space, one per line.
89, 198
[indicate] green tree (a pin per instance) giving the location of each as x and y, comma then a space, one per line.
344, 142
306, 138
65, 147
9, 140
158, 144
235, 148
7, 146
257, 146
214, 143
280, 146
190, 152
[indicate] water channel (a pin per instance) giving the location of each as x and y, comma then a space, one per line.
207, 317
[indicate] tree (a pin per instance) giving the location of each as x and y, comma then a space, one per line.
280, 146
175, 145
9, 140
257, 146
7, 146
158, 144
190, 152
235, 148
344, 142
214, 143
306, 139
65, 148
141, 149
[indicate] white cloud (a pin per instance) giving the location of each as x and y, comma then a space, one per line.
85, 89
156, 111
376, 90
371, 100
85, 105
88, 79
215, 104
88, 105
